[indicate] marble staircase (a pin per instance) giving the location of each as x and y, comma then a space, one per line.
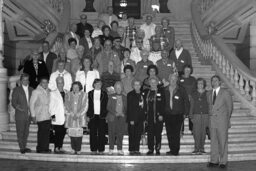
242, 135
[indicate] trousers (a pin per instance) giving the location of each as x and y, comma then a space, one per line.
43, 135
22, 128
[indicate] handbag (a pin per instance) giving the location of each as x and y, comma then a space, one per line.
75, 132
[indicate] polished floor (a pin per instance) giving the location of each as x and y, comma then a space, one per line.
18, 165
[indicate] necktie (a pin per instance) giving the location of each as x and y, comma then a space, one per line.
214, 97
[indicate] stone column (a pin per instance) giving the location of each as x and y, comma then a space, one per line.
253, 45
4, 117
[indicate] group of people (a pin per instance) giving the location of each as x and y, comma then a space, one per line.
116, 79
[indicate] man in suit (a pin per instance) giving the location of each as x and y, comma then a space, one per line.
180, 56
20, 102
47, 56
83, 25
220, 106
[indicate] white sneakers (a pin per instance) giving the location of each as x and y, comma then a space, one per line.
119, 152
110, 152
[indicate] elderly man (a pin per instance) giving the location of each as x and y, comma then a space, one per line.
47, 56
103, 58
83, 25
180, 56
149, 29
109, 17
39, 107
176, 108
130, 32
220, 106
20, 102
168, 32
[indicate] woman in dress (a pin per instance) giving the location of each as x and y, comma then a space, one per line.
76, 105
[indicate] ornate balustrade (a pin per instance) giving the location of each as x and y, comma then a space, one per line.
232, 71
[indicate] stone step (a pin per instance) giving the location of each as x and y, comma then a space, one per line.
5, 145
87, 158
10, 136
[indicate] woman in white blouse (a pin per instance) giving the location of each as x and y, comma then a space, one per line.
87, 75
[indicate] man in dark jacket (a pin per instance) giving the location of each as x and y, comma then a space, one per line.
20, 102
176, 107
83, 25
135, 117
47, 56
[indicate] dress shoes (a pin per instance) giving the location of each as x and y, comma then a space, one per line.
150, 152
27, 150
222, 166
212, 164
22, 151
158, 153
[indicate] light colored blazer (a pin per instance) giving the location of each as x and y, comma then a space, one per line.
56, 107
221, 111
88, 81
39, 104
79, 110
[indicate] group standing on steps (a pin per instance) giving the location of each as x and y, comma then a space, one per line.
126, 80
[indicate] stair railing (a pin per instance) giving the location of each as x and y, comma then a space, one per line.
232, 71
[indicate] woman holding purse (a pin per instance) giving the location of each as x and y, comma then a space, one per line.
76, 105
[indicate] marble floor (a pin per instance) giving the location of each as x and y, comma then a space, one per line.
18, 165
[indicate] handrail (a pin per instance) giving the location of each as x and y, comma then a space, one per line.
239, 78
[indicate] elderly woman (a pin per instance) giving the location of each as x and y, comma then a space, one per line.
199, 114
128, 79
97, 112
106, 34
168, 32
61, 57
76, 105
98, 29
76, 62
116, 118
152, 72
87, 75
154, 108
96, 49
189, 83
126, 61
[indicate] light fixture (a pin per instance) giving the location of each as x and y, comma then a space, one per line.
123, 3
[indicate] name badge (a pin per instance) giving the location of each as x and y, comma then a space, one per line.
145, 66
176, 97
181, 61
114, 97
158, 94
169, 65
181, 80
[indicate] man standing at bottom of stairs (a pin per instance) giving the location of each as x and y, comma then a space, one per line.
220, 106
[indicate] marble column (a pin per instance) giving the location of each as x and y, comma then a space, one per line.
4, 117
253, 45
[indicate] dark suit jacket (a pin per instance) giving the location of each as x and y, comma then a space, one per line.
33, 77
81, 28
85, 44
49, 60
20, 103
103, 104
181, 105
159, 104
184, 59
111, 107
135, 112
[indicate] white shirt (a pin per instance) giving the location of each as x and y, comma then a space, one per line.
178, 52
45, 56
154, 57
67, 80
89, 41
96, 101
88, 79
135, 55
25, 88
216, 90
149, 31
